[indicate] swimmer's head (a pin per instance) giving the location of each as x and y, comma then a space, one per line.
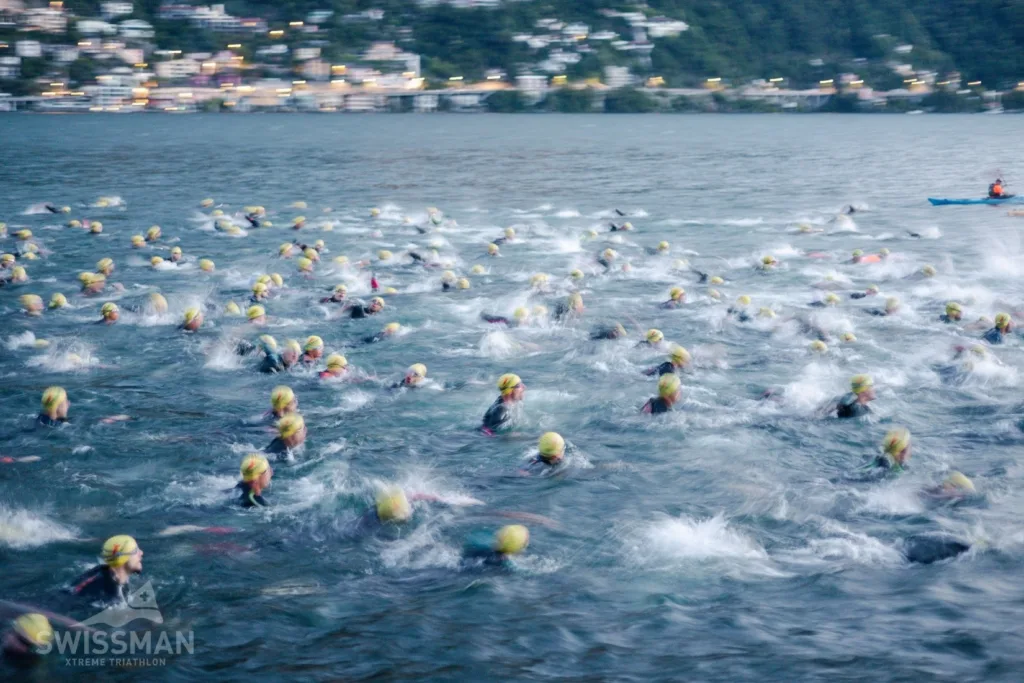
849, 337
290, 425
860, 384
551, 446
928, 271
892, 304
1003, 321
110, 311
576, 274
954, 311
119, 550
743, 300
508, 383
384, 255
668, 386
105, 266
958, 482
336, 362
206, 265
511, 539
831, 299
253, 467
34, 630
654, 336
313, 343
255, 313
415, 374
393, 506
463, 283
897, 443
677, 294
31, 303
58, 300
818, 346
679, 356
663, 247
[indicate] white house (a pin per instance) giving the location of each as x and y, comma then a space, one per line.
532, 86
63, 54
304, 54
10, 68
131, 55
45, 19
660, 27
276, 50
177, 69
617, 76
95, 27
319, 16
576, 30
115, 9
28, 48
136, 29
316, 70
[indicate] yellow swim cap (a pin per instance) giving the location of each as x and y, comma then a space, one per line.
340, 289
714, 294
508, 382
118, 549
538, 279
58, 300
95, 227
743, 300
298, 220
191, 314
668, 385
138, 240
463, 283
378, 301
715, 280
336, 361
206, 203
873, 289
957, 480
765, 312
654, 336
576, 274
861, 383
511, 539
551, 445
849, 337
176, 251
831, 299
253, 467
290, 424
520, 314
510, 233
311, 253
285, 249
418, 369
492, 249
156, 260
448, 276
679, 355
255, 312
928, 271
883, 252
34, 629
892, 303
819, 346
392, 328
232, 308
23, 235
304, 264
18, 274
676, 293
768, 260
33, 303
663, 246
259, 288
7, 259
105, 264
857, 252
1002, 320
384, 254
206, 265
53, 397
153, 233
108, 308
609, 254
575, 300
293, 346
74, 223
540, 311
477, 270
953, 307
393, 506
896, 441
267, 343
313, 343
374, 212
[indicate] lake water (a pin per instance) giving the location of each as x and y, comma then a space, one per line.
732, 539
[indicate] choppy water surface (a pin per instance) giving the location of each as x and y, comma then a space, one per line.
731, 539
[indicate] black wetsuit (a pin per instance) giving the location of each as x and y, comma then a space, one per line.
928, 549
849, 407
248, 498
496, 319
607, 333
946, 319
741, 315
497, 416
374, 338
666, 368
671, 304
47, 421
994, 336
253, 221
99, 584
332, 300
656, 406
884, 462
360, 311
484, 555
878, 312
52, 209
859, 295
607, 264
272, 363
277, 447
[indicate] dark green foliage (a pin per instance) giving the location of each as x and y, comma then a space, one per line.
629, 101
505, 102
568, 101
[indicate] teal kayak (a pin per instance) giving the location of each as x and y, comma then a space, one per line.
1011, 199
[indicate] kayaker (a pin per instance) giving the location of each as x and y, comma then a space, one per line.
995, 190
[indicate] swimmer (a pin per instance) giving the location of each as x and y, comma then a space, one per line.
256, 315
503, 411
870, 291
313, 350
739, 309
892, 307
678, 359
271, 362
622, 227
447, 281
895, 451
55, 405
855, 403
390, 330
360, 311
175, 254
953, 489
110, 313
337, 366
414, 377
291, 435
105, 266
193, 320
109, 582
550, 453
616, 331
830, 299
954, 313
519, 317
509, 236
282, 402
338, 295
32, 304
256, 474
1002, 327
92, 283
509, 541
669, 393
676, 298
767, 263
926, 549
30, 637
606, 258
290, 354
653, 338
260, 292
572, 307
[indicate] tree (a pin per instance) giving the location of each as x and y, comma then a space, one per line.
629, 101
505, 101
568, 101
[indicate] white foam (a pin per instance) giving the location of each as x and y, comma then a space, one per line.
21, 528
